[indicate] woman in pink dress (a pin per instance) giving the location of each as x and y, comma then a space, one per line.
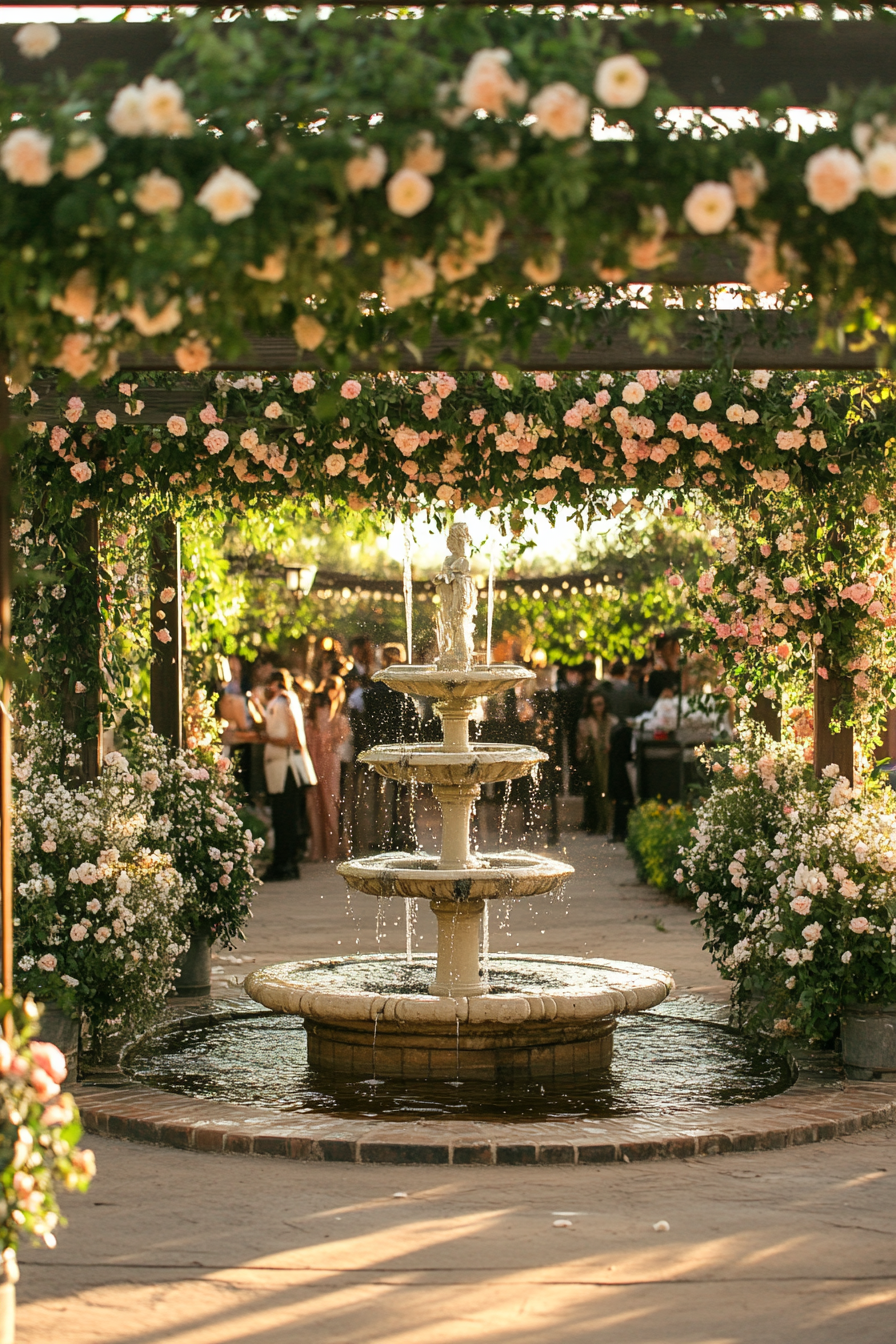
326, 729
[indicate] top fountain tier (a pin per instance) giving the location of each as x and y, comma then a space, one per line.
459, 687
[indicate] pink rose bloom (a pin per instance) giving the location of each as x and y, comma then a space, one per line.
445, 385
302, 382
859, 924
216, 440
675, 581
81, 472
860, 593
334, 464
702, 401
705, 582
649, 379
546, 382
572, 418
801, 905
208, 415
833, 469
350, 389
587, 476
602, 398
47, 962
876, 609
163, 636
49, 1058
791, 585
177, 426
106, 419
273, 411
633, 393
545, 495
501, 382
431, 407
677, 423
478, 415
44, 1085
73, 409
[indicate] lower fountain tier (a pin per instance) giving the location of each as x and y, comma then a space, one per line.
503, 1036
427, 763
512, 874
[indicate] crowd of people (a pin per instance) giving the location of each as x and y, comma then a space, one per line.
295, 735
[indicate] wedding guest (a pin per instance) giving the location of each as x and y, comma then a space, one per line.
327, 730
289, 771
593, 754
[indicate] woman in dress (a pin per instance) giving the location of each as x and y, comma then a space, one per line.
593, 754
327, 730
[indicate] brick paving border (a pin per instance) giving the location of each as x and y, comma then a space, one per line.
820, 1105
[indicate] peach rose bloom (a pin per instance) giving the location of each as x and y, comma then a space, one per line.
408, 192
366, 169
560, 111
25, 157
81, 159
710, 207
833, 178
228, 195
156, 191
308, 331
621, 81
486, 83
423, 155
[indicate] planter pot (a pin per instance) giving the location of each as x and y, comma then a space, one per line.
65, 1033
195, 965
7, 1312
868, 1040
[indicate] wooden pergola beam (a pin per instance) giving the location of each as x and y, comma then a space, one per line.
714, 68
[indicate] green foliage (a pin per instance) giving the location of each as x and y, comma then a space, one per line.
289, 104
656, 833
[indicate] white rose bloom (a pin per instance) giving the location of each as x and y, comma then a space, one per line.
880, 170
228, 195
423, 154
37, 40
25, 157
487, 85
81, 159
710, 207
761, 378
560, 111
163, 106
405, 279
833, 179
367, 169
127, 115
620, 81
408, 192
156, 191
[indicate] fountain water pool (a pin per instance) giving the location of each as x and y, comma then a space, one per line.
546, 1021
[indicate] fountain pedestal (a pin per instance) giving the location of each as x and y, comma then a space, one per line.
458, 975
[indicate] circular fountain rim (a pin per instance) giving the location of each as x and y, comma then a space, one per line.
527, 874
648, 986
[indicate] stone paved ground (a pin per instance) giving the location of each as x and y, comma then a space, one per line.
194, 1248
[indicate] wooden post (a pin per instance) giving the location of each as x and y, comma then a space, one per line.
6, 911
166, 679
81, 711
767, 713
831, 748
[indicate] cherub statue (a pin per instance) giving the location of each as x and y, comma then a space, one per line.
457, 609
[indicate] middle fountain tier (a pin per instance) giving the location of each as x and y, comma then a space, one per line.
457, 881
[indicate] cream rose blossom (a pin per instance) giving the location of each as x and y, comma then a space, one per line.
710, 207
423, 154
833, 179
37, 40
621, 81
228, 195
82, 157
156, 191
308, 331
544, 269
880, 170
25, 157
406, 279
560, 111
193, 355
486, 83
408, 192
366, 169
126, 115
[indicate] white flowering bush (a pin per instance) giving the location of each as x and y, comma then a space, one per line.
39, 1132
190, 793
795, 882
98, 898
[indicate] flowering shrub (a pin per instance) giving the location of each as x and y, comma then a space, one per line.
39, 1132
795, 881
99, 922
656, 832
211, 849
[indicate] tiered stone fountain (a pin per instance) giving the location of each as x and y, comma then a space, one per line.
543, 1017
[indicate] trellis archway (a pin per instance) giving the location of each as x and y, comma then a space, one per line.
89, 279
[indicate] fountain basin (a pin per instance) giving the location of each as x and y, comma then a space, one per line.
466, 684
545, 1017
511, 875
483, 763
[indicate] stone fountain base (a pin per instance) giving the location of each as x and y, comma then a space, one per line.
484, 1052
564, 1029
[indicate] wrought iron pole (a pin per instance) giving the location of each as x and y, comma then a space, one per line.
166, 678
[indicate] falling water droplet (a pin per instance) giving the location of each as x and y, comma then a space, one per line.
407, 583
